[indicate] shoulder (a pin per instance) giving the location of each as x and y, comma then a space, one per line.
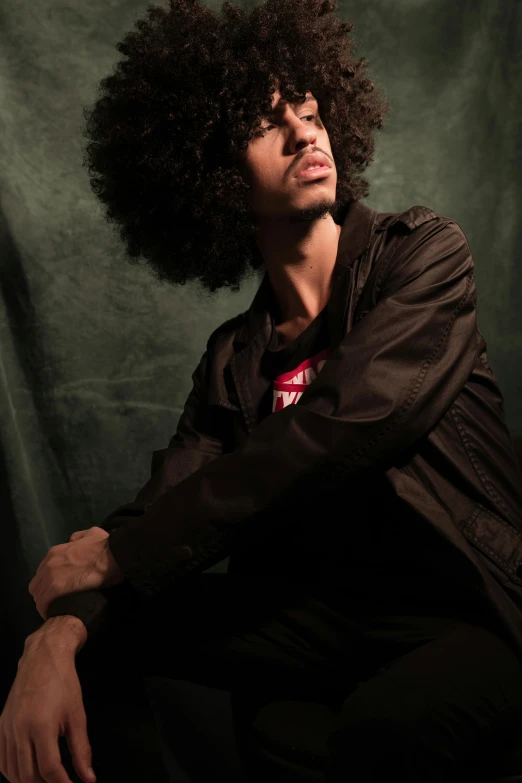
411, 218
227, 330
417, 219
397, 234
216, 345
418, 240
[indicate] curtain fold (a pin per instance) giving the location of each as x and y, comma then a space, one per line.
96, 358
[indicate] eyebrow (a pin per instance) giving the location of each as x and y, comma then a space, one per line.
273, 112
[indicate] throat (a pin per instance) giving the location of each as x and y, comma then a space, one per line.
287, 332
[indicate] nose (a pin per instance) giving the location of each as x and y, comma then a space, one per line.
303, 135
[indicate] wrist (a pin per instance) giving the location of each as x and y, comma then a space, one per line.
64, 632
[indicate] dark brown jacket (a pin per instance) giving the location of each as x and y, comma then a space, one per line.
406, 400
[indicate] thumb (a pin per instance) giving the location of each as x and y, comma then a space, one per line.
79, 534
80, 747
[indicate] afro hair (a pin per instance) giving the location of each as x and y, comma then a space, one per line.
166, 131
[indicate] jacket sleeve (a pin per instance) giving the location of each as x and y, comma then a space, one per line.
386, 384
197, 441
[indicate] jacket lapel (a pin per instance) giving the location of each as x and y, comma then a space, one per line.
250, 344
254, 335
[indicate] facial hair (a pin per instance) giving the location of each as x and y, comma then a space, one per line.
320, 209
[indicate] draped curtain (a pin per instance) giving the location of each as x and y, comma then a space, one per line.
96, 357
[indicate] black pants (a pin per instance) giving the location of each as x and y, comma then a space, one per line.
423, 697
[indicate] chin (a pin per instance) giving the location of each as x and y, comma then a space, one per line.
315, 210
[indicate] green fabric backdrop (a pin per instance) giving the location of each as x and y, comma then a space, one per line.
90, 384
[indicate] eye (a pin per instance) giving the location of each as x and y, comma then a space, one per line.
265, 128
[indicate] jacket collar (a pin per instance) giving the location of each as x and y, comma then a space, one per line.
356, 230
254, 335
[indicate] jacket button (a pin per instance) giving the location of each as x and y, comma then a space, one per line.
519, 570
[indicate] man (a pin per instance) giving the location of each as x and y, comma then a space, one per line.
344, 441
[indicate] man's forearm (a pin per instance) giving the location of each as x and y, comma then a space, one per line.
66, 632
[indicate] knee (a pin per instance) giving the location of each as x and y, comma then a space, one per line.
381, 715
370, 731
383, 734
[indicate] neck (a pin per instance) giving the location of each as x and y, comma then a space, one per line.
299, 259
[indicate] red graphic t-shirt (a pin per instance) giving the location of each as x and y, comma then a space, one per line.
289, 386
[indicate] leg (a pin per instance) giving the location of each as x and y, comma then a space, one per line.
113, 667
207, 630
441, 709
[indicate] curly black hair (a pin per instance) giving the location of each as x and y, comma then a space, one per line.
169, 124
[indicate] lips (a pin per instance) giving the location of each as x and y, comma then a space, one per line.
312, 159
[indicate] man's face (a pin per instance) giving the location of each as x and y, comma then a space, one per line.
275, 156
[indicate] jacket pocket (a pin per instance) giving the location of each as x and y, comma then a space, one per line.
497, 539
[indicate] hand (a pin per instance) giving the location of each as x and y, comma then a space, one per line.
85, 563
45, 701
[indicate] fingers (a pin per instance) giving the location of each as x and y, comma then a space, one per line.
78, 534
50, 765
33, 584
99, 532
11, 760
3, 755
41, 598
27, 763
80, 747
41, 602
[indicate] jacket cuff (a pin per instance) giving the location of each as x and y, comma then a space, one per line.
97, 608
121, 515
91, 606
144, 580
